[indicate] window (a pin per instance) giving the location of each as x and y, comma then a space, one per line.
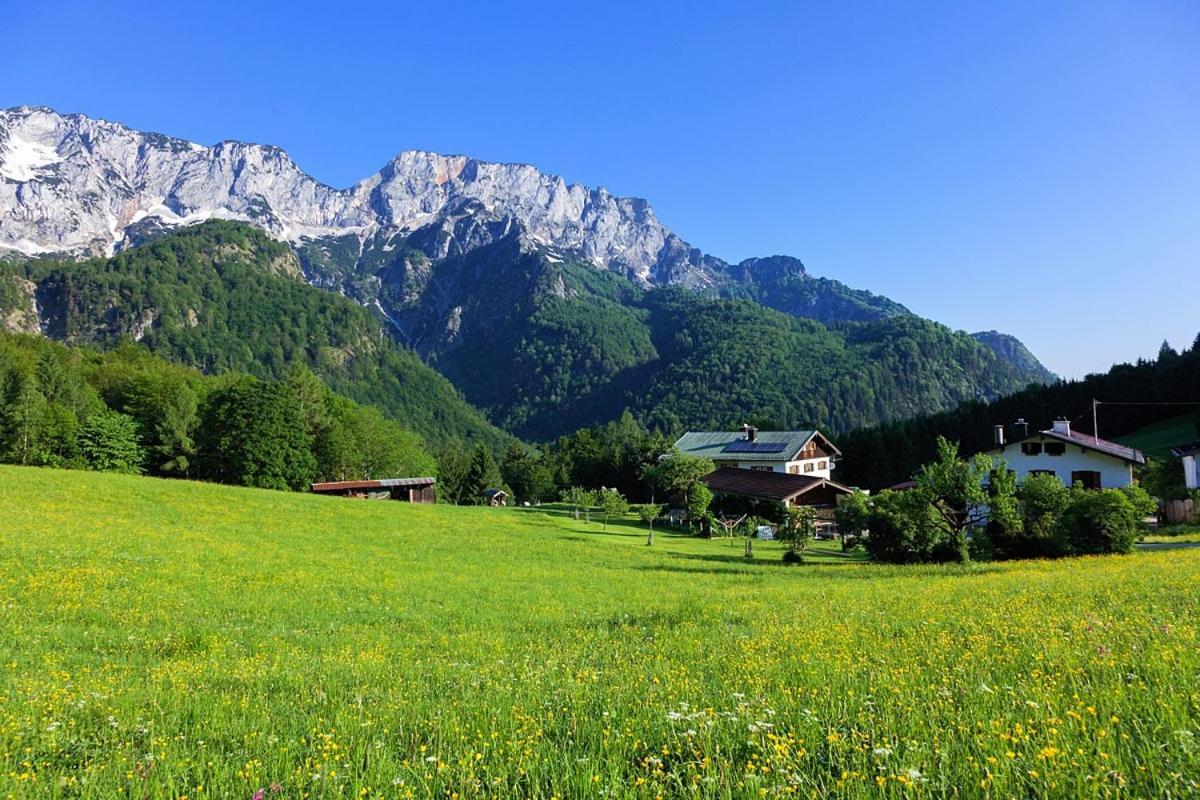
1031, 448
1041, 472
823, 465
1088, 479
1055, 448
794, 469
761, 469
809, 467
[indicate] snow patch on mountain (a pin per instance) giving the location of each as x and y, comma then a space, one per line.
22, 160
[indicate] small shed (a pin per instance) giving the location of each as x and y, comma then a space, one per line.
495, 497
407, 490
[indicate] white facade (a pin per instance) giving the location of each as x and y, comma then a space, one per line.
1191, 471
1031, 456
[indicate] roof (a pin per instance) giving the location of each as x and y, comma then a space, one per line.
767, 445
770, 485
1089, 442
384, 483
494, 492
1189, 449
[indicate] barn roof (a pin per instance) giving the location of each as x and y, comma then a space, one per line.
383, 483
767, 445
1190, 449
770, 485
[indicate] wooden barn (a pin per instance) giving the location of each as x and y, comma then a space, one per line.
408, 490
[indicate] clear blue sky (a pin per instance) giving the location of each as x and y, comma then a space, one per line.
1030, 167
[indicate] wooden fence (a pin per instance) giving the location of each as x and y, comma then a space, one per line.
1179, 511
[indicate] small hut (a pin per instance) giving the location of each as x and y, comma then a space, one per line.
406, 490
495, 497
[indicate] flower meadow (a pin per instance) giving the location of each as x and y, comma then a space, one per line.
180, 640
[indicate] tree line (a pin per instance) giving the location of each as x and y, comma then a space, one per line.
127, 410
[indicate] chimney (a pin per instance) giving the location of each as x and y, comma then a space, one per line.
998, 435
751, 432
1062, 426
1021, 428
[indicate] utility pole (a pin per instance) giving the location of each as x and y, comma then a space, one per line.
1095, 423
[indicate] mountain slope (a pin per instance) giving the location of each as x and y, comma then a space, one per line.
222, 296
539, 299
1012, 350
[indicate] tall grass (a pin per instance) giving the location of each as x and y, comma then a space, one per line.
166, 639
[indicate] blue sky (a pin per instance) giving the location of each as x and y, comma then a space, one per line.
1028, 167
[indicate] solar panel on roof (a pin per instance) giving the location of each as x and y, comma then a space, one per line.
743, 446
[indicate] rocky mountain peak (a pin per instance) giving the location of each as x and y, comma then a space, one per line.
73, 184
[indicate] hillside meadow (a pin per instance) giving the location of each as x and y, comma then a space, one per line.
173, 639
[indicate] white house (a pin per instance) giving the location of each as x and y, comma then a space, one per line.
1074, 457
807, 453
1189, 454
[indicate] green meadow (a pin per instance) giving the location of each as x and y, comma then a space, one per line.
173, 639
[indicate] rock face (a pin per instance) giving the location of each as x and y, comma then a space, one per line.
72, 184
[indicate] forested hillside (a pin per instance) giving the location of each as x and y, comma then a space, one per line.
887, 454
542, 345
127, 410
586, 344
223, 296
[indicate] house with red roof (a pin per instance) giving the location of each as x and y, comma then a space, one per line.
1074, 457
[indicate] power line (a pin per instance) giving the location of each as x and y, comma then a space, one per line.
1148, 403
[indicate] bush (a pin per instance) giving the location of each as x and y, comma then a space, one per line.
1096, 522
792, 557
1143, 504
903, 530
1043, 498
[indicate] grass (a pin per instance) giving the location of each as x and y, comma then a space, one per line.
1174, 533
1157, 440
168, 639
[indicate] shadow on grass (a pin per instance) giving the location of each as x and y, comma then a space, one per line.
826, 568
740, 569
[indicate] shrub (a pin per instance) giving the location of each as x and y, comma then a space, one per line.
108, 442
1143, 504
903, 530
1043, 498
1096, 522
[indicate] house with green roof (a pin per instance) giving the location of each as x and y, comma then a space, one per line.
805, 453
